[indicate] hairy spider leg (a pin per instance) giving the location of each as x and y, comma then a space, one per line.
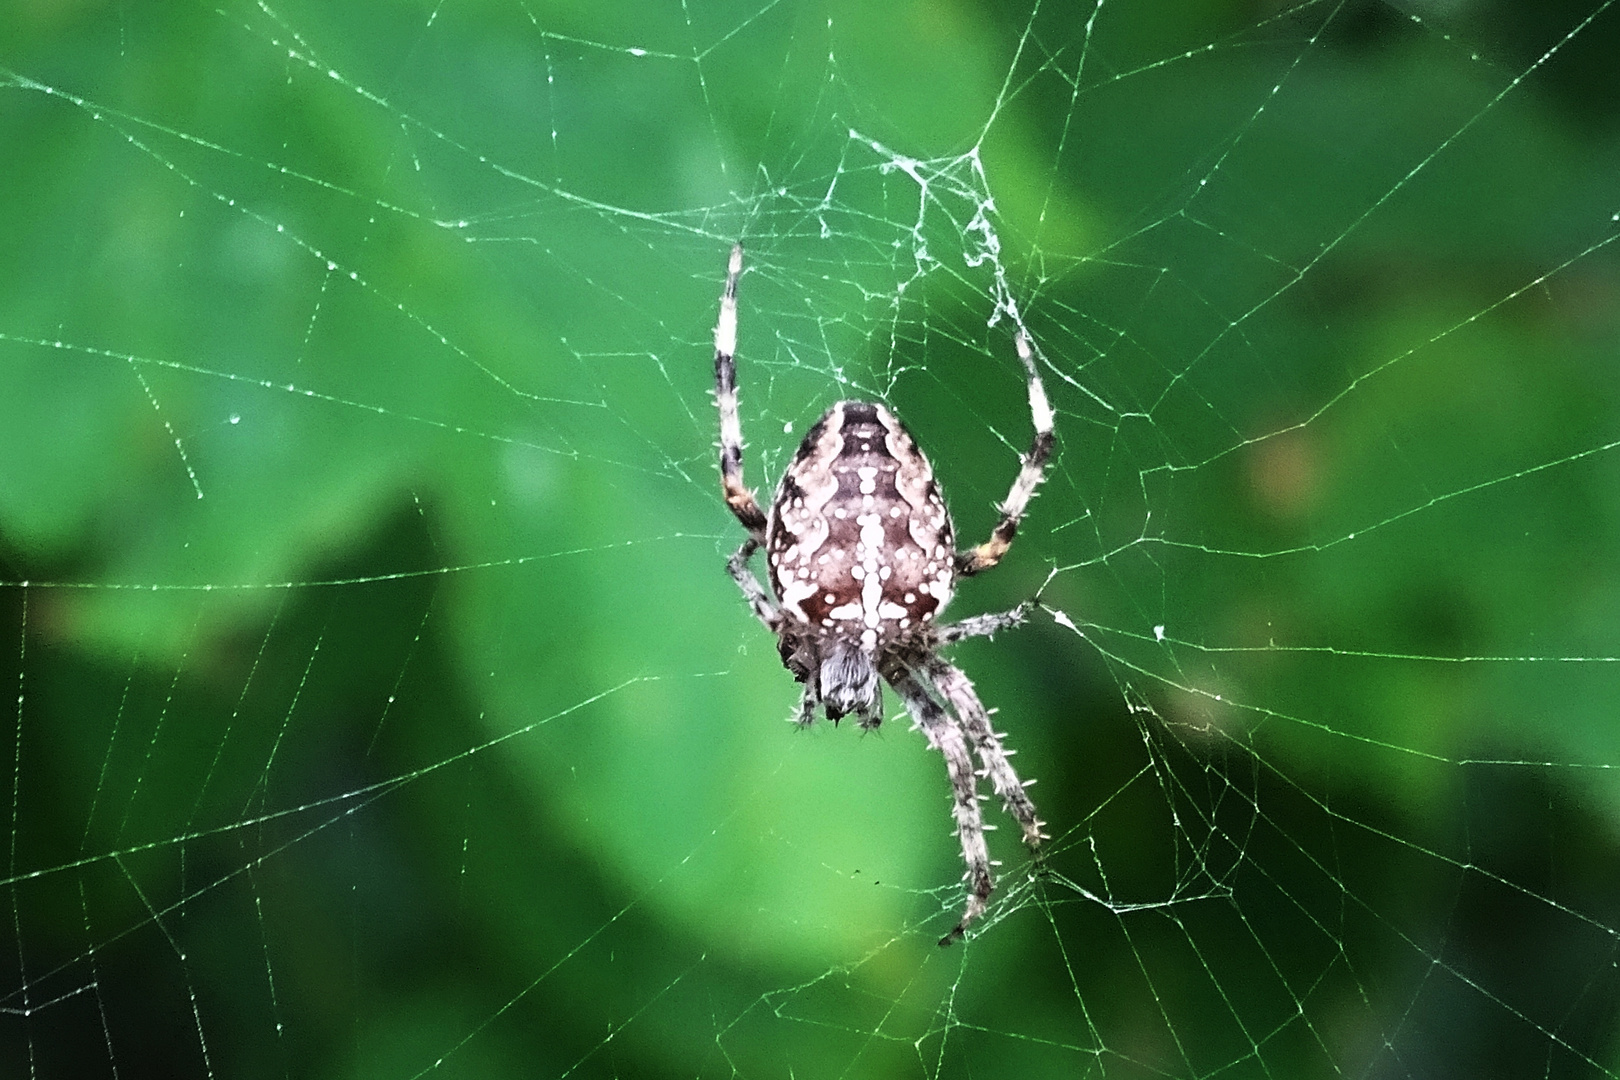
981, 625
955, 687
808, 703
1030, 474
945, 736
758, 602
738, 497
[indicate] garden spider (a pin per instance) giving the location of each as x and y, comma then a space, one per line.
862, 559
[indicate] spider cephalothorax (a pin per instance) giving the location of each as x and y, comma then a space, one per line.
862, 559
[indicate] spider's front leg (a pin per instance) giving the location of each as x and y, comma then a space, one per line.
738, 497
947, 738
1030, 473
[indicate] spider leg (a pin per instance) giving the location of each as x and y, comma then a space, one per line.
946, 737
871, 718
737, 566
982, 625
807, 707
1030, 473
738, 497
955, 687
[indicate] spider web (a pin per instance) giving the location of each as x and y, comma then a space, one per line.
382, 708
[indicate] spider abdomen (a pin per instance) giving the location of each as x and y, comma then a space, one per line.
858, 540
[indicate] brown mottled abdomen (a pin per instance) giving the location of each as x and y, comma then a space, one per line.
859, 542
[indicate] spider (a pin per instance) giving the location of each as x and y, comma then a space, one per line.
862, 560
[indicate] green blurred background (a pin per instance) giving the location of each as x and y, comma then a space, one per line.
383, 708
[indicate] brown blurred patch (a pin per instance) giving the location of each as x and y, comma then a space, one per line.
1285, 473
